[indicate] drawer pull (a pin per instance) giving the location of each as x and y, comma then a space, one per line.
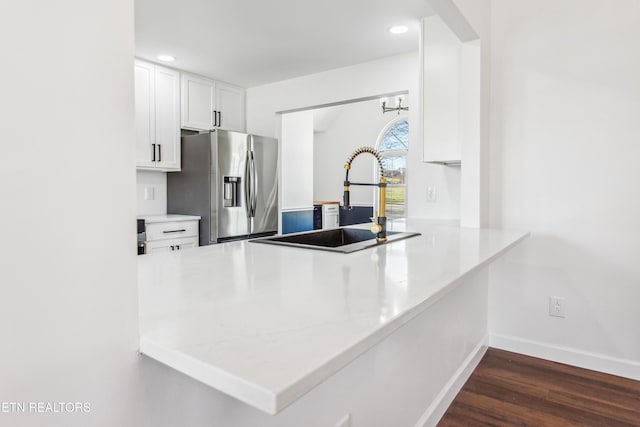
173, 231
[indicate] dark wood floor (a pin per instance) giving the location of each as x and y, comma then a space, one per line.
508, 389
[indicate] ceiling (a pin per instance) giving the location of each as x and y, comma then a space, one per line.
252, 42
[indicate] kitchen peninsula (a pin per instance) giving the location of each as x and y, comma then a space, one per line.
270, 325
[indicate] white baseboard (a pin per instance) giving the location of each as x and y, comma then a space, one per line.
439, 406
569, 356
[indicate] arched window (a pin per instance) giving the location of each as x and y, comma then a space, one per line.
393, 145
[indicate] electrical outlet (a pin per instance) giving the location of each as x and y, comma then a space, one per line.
432, 194
556, 307
344, 421
149, 193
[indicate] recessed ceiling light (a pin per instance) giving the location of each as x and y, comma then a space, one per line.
398, 29
166, 58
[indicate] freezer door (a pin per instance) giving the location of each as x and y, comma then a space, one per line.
233, 209
265, 200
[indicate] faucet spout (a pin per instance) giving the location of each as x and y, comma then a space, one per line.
379, 227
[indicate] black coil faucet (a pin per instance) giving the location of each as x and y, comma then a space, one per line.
379, 227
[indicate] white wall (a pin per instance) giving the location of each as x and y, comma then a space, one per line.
471, 141
351, 126
147, 182
388, 75
296, 161
68, 312
564, 156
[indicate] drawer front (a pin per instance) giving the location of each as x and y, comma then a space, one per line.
171, 230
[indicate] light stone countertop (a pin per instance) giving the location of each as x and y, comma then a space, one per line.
151, 219
266, 324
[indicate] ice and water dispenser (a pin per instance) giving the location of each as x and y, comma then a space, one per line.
231, 191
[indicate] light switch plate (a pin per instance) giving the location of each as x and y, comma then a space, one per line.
556, 307
149, 193
432, 194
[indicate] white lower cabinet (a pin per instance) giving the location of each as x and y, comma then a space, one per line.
171, 245
171, 235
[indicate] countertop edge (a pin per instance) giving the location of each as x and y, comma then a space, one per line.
154, 219
216, 378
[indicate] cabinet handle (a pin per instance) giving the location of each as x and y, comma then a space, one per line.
159, 152
172, 248
219, 119
153, 159
178, 246
214, 118
173, 231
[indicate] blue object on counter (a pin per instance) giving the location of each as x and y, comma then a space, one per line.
297, 221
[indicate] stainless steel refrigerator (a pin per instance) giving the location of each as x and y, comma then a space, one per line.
230, 179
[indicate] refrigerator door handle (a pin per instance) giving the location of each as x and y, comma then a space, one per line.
254, 185
247, 185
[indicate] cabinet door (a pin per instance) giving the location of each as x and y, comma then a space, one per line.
169, 245
187, 244
159, 246
145, 124
197, 102
167, 112
230, 102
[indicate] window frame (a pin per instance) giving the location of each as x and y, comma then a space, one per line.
394, 153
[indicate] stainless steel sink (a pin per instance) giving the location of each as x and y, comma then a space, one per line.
343, 240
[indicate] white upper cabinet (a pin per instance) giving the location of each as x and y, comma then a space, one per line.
157, 117
441, 86
230, 105
145, 122
208, 105
167, 118
450, 92
198, 102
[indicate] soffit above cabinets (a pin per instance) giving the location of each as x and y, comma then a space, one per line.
253, 42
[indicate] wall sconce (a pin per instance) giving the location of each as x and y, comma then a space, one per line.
398, 107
